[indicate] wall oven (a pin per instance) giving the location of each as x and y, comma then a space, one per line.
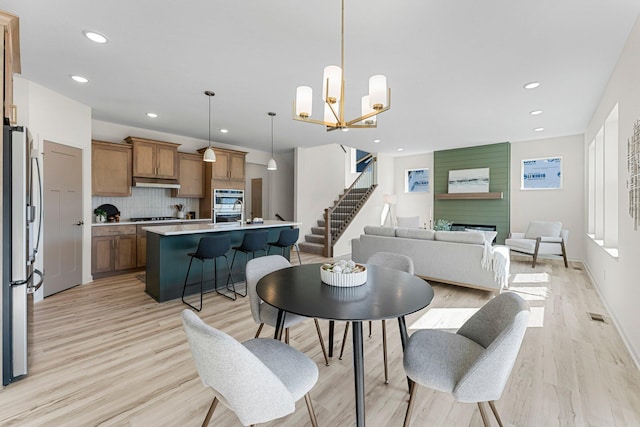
228, 206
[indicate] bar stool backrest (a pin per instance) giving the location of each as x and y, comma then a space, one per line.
255, 241
213, 246
288, 237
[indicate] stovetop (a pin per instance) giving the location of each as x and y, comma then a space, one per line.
152, 218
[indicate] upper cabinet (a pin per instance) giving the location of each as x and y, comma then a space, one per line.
154, 159
10, 42
226, 172
110, 169
190, 176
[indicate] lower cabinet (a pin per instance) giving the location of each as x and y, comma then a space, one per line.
113, 248
141, 247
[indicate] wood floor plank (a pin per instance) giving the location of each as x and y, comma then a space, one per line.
107, 354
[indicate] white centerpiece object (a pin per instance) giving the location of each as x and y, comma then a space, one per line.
343, 273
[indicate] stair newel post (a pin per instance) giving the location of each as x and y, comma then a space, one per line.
328, 247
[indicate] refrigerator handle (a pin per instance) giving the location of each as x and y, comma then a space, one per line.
40, 213
34, 287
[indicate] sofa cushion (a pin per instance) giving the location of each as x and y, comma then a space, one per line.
476, 237
415, 233
543, 229
377, 230
489, 236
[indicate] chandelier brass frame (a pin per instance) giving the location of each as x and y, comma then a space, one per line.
332, 102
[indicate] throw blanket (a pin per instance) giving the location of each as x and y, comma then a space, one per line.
497, 263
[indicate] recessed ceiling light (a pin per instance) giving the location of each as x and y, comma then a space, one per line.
152, 115
400, 149
79, 79
376, 140
538, 129
224, 130
95, 37
535, 112
532, 85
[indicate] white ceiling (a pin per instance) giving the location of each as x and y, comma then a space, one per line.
456, 67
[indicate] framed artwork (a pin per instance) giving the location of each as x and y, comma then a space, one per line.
541, 174
416, 180
469, 181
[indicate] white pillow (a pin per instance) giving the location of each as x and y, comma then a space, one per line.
543, 229
408, 221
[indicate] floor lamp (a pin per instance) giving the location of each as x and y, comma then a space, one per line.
389, 200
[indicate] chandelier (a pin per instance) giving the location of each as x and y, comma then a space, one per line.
377, 101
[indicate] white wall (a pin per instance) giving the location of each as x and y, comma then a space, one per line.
617, 279
53, 117
552, 205
412, 204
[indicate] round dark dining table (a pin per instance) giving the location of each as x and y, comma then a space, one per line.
387, 294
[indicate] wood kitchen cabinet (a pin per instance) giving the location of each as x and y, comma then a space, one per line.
228, 171
110, 169
141, 246
190, 176
154, 159
113, 249
10, 41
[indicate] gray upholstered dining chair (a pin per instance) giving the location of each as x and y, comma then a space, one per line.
253, 378
473, 364
388, 260
264, 313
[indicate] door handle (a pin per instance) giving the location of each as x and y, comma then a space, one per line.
79, 223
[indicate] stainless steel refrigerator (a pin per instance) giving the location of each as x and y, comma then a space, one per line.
21, 229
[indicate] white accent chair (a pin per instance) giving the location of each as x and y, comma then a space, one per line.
263, 313
541, 238
260, 380
408, 221
387, 260
473, 364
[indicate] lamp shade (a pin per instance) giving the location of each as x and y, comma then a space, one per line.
272, 165
332, 77
377, 92
304, 101
389, 198
209, 155
366, 109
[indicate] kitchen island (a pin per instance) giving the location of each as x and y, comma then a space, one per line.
168, 247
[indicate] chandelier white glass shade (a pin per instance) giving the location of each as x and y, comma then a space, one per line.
271, 164
378, 99
209, 154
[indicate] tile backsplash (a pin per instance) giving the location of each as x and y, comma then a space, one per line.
147, 202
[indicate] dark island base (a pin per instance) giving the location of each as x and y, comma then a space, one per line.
168, 261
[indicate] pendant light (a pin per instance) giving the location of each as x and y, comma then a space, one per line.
209, 154
271, 165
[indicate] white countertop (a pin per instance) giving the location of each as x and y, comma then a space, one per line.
180, 229
157, 221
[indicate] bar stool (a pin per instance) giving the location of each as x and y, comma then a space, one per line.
252, 242
288, 237
211, 247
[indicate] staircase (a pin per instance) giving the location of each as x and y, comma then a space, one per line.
340, 214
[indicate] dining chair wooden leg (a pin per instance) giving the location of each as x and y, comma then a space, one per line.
259, 330
344, 339
210, 412
312, 414
324, 350
384, 351
412, 395
286, 335
483, 414
495, 412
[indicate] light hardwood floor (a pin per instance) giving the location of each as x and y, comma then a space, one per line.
105, 353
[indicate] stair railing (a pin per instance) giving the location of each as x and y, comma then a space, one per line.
338, 216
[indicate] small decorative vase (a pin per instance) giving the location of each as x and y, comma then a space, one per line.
100, 218
180, 214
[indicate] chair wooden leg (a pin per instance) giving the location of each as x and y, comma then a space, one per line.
412, 395
384, 351
344, 339
259, 330
286, 335
483, 414
535, 252
369, 328
324, 350
312, 414
210, 412
492, 405
564, 254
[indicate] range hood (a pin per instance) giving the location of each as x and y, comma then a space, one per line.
155, 182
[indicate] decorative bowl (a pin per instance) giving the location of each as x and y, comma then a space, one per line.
345, 280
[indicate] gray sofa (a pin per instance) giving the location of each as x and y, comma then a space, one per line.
464, 258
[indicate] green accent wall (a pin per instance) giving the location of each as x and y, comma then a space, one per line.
496, 157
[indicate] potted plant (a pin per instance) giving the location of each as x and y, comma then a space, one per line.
101, 215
